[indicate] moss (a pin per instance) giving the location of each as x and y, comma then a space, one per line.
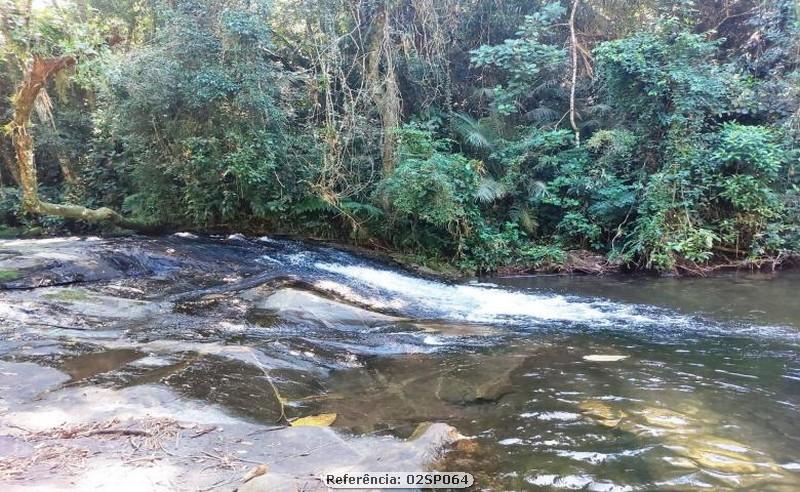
68, 295
6, 275
11, 232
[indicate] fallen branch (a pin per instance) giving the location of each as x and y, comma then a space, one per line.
121, 432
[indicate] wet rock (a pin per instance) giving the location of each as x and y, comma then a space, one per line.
486, 381
46, 262
23, 381
658, 421
602, 413
354, 455
72, 307
303, 305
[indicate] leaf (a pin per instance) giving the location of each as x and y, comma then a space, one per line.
254, 472
490, 190
604, 358
476, 133
321, 420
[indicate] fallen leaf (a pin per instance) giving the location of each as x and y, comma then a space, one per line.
254, 472
604, 358
321, 420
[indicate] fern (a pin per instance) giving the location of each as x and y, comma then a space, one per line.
542, 114
490, 190
313, 204
475, 133
362, 209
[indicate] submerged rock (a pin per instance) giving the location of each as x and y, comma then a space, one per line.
602, 413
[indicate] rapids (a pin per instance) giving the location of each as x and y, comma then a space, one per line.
544, 383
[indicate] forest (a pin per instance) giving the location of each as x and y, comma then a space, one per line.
478, 135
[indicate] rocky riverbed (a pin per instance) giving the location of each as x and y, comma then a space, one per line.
224, 363
120, 367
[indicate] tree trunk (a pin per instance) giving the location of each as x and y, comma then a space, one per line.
574, 52
41, 69
66, 169
385, 89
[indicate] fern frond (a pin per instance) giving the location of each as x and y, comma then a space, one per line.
474, 132
542, 114
490, 190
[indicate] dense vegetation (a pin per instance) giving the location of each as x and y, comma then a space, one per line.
485, 134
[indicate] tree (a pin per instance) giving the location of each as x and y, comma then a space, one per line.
45, 45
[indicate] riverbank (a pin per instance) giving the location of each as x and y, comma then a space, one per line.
575, 262
583, 262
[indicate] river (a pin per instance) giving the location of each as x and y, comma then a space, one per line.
551, 383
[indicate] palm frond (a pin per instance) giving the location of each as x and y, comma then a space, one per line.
598, 109
542, 114
490, 190
474, 132
522, 215
482, 93
547, 86
590, 124
536, 188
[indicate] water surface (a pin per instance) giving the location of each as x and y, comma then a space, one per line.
704, 391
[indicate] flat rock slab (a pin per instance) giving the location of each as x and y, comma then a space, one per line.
21, 382
149, 438
27, 264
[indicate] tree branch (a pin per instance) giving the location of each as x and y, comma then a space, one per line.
574, 51
36, 79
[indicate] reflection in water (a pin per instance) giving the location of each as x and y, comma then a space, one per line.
88, 365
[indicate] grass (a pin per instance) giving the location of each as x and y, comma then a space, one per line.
6, 275
68, 295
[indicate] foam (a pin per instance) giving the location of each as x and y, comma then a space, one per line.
481, 303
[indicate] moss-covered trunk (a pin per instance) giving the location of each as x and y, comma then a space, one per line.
40, 71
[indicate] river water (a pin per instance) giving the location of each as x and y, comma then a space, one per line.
562, 383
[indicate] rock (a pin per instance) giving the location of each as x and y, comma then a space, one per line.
27, 381
304, 305
665, 420
602, 413
485, 381
374, 454
60, 261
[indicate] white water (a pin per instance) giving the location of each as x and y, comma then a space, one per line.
475, 303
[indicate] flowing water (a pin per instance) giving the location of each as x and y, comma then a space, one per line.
602, 384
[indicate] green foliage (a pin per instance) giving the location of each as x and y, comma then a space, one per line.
431, 185
203, 127
664, 78
720, 191
529, 60
490, 249
248, 114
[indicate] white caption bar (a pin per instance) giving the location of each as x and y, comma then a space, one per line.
397, 480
